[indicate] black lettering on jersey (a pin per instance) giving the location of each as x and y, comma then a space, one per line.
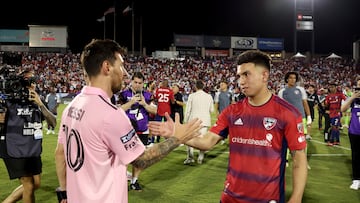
75, 144
76, 113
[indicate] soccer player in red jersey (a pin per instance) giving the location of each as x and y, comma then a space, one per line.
164, 97
260, 128
333, 101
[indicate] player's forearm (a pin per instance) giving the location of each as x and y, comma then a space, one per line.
205, 142
299, 175
155, 153
150, 108
60, 169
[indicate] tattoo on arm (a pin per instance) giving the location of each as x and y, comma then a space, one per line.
156, 153
294, 151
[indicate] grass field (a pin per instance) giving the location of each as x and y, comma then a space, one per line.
171, 181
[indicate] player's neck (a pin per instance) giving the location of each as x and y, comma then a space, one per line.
261, 98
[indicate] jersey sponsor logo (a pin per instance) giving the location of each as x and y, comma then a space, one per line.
301, 138
252, 141
129, 140
126, 138
24, 112
269, 137
269, 123
238, 122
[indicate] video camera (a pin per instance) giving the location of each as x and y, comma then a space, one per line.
12, 86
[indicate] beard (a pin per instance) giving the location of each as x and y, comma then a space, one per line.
116, 86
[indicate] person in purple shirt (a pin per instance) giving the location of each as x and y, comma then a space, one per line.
353, 102
136, 102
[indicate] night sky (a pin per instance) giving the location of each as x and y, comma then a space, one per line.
337, 22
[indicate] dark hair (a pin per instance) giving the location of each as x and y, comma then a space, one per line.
287, 75
96, 52
255, 56
199, 84
165, 83
138, 75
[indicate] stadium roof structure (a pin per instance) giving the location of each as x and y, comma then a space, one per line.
333, 56
299, 55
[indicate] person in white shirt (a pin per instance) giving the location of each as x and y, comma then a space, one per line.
199, 105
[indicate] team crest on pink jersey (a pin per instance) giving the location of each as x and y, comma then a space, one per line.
269, 123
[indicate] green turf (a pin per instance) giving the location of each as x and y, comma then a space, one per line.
169, 181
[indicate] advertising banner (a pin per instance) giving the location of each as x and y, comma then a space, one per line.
243, 42
48, 36
16, 36
217, 42
275, 44
189, 40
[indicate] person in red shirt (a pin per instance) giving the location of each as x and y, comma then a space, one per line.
164, 97
260, 128
333, 102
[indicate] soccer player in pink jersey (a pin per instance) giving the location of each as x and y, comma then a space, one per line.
260, 128
96, 139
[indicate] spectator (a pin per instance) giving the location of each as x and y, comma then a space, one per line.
52, 101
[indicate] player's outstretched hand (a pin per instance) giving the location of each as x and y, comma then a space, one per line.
183, 132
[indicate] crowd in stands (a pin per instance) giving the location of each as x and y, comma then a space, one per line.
65, 72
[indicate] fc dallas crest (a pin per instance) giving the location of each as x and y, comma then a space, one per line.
269, 123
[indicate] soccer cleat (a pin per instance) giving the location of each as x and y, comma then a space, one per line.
329, 144
200, 161
135, 186
355, 185
188, 161
336, 143
48, 132
308, 137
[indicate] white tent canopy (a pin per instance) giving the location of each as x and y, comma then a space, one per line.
299, 55
333, 56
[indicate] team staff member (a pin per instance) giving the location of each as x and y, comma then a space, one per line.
97, 141
260, 128
22, 140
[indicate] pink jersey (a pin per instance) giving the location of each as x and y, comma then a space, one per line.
164, 96
99, 142
258, 141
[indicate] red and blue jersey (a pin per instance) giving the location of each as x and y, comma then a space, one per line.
334, 101
258, 140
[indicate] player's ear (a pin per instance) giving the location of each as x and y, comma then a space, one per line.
266, 75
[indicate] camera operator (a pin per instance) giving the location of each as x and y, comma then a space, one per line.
21, 140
